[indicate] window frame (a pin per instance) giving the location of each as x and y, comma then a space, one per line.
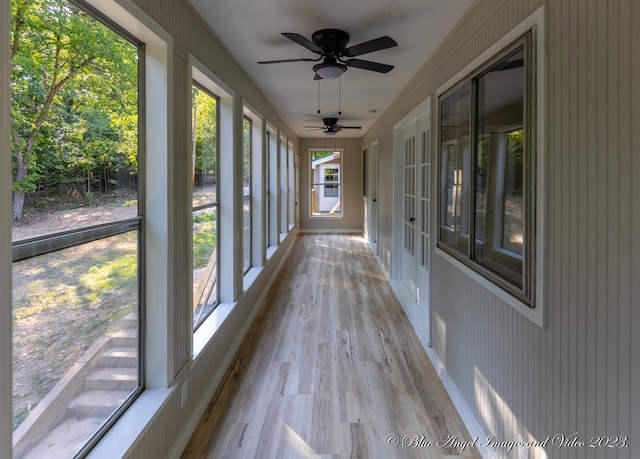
247, 244
228, 282
291, 185
321, 183
272, 183
283, 189
212, 205
529, 301
497, 269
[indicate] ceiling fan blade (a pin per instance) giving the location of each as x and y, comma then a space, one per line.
280, 61
299, 39
350, 127
368, 65
370, 46
313, 127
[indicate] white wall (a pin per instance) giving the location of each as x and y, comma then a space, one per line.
582, 372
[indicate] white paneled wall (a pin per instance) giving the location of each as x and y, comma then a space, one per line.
582, 372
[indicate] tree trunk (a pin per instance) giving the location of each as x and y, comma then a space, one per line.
18, 204
21, 172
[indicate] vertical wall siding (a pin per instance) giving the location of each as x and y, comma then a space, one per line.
582, 372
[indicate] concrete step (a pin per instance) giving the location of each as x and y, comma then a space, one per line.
129, 321
112, 378
65, 439
125, 337
119, 357
97, 403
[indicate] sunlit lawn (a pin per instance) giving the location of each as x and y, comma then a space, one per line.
63, 302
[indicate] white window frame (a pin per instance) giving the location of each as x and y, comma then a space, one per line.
226, 260
257, 179
291, 186
67, 238
158, 113
283, 202
272, 189
216, 205
537, 25
247, 195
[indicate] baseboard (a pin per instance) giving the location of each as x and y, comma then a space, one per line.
332, 231
470, 422
217, 379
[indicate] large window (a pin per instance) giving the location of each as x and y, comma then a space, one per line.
272, 182
247, 153
77, 232
486, 170
326, 186
204, 179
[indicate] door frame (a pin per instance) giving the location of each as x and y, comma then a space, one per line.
370, 155
417, 312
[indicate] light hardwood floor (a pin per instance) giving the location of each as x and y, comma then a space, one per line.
331, 368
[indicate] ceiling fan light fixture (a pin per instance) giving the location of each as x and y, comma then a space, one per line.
330, 132
330, 71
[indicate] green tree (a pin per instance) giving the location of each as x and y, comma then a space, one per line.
204, 121
66, 64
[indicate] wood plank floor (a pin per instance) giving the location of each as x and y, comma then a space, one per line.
331, 368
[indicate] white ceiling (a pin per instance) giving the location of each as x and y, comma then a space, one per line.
251, 30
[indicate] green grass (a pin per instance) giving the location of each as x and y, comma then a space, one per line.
204, 238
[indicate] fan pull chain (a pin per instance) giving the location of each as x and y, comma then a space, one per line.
318, 97
340, 96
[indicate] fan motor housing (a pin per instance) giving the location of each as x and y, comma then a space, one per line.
331, 40
330, 122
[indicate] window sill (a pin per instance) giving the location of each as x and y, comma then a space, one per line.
270, 252
207, 329
122, 436
536, 315
249, 277
323, 217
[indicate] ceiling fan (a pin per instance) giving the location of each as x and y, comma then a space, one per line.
331, 126
331, 45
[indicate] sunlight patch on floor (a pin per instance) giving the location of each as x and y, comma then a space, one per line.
298, 443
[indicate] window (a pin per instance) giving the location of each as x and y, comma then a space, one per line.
204, 180
272, 182
486, 162
247, 149
331, 182
284, 188
291, 186
267, 188
325, 183
77, 235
